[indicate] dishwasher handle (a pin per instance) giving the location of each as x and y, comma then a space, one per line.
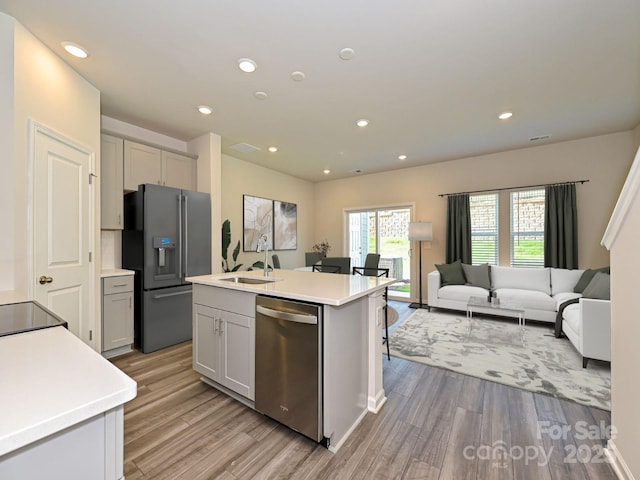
288, 316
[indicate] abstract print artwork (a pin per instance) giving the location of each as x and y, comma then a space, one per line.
285, 225
257, 220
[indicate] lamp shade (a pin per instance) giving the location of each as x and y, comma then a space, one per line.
420, 231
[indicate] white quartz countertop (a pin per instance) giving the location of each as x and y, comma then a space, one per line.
51, 380
115, 272
325, 288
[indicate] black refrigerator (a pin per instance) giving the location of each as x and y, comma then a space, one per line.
166, 238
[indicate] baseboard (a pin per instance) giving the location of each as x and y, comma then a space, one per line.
336, 447
375, 404
116, 352
616, 461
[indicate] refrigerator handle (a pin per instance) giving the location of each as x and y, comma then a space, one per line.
182, 246
185, 243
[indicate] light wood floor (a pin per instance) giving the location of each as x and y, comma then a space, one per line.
436, 425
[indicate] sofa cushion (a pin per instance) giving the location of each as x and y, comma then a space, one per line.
451, 273
562, 297
571, 318
598, 287
527, 298
563, 280
537, 279
461, 293
587, 276
477, 275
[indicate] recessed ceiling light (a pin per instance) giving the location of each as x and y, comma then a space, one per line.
75, 50
402, 157
505, 115
363, 122
247, 65
273, 149
326, 172
298, 76
205, 110
347, 53
260, 95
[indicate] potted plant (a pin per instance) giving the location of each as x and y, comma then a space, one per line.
321, 248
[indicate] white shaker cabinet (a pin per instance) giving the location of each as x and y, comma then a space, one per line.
178, 171
224, 338
117, 313
147, 164
142, 164
112, 182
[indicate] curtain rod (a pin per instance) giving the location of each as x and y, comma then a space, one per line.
513, 188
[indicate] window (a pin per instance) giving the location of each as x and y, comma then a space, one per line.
484, 228
527, 228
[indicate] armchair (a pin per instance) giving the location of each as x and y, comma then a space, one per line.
587, 324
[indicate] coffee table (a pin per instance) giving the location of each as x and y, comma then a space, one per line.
483, 305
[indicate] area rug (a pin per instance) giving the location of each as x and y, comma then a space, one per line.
493, 350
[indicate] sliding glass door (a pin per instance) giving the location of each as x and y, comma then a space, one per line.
384, 231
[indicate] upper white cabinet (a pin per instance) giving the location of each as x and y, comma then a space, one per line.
147, 164
178, 171
111, 177
142, 164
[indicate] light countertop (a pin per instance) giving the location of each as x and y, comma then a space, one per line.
325, 288
50, 381
115, 272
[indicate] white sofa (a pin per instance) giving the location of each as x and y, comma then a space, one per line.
587, 325
539, 290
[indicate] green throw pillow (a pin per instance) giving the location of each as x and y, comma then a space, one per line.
451, 274
586, 277
477, 275
599, 287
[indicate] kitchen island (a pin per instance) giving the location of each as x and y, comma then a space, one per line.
351, 331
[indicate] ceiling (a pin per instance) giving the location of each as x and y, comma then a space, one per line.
431, 76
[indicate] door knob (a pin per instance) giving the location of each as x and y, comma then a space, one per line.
44, 279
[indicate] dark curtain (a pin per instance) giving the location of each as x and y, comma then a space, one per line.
561, 226
458, 228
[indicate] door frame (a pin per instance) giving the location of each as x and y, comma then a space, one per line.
35, 128
390, 206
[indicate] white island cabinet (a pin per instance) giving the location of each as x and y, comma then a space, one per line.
224, 338
224, 349
61, 409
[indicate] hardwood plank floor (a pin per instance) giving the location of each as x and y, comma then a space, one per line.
436, 425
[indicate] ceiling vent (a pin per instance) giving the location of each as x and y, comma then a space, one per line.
539, 138
244, 148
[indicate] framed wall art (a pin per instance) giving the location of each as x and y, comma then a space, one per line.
257, 218
285, 225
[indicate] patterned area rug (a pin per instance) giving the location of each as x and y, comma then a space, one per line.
493, 350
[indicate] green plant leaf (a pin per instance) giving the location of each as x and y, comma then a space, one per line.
236, 251
226, 237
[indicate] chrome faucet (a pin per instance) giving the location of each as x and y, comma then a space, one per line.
264, 245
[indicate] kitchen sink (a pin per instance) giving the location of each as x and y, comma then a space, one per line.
250, 280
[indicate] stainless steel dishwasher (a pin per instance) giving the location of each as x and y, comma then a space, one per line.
289, 364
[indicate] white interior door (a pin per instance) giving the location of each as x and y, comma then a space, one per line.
62, 215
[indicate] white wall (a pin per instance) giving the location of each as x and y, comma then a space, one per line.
208, 147
48, 91
625, 331
604, 160
240, 177
7, 166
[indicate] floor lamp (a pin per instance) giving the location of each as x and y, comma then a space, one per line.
420, 231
